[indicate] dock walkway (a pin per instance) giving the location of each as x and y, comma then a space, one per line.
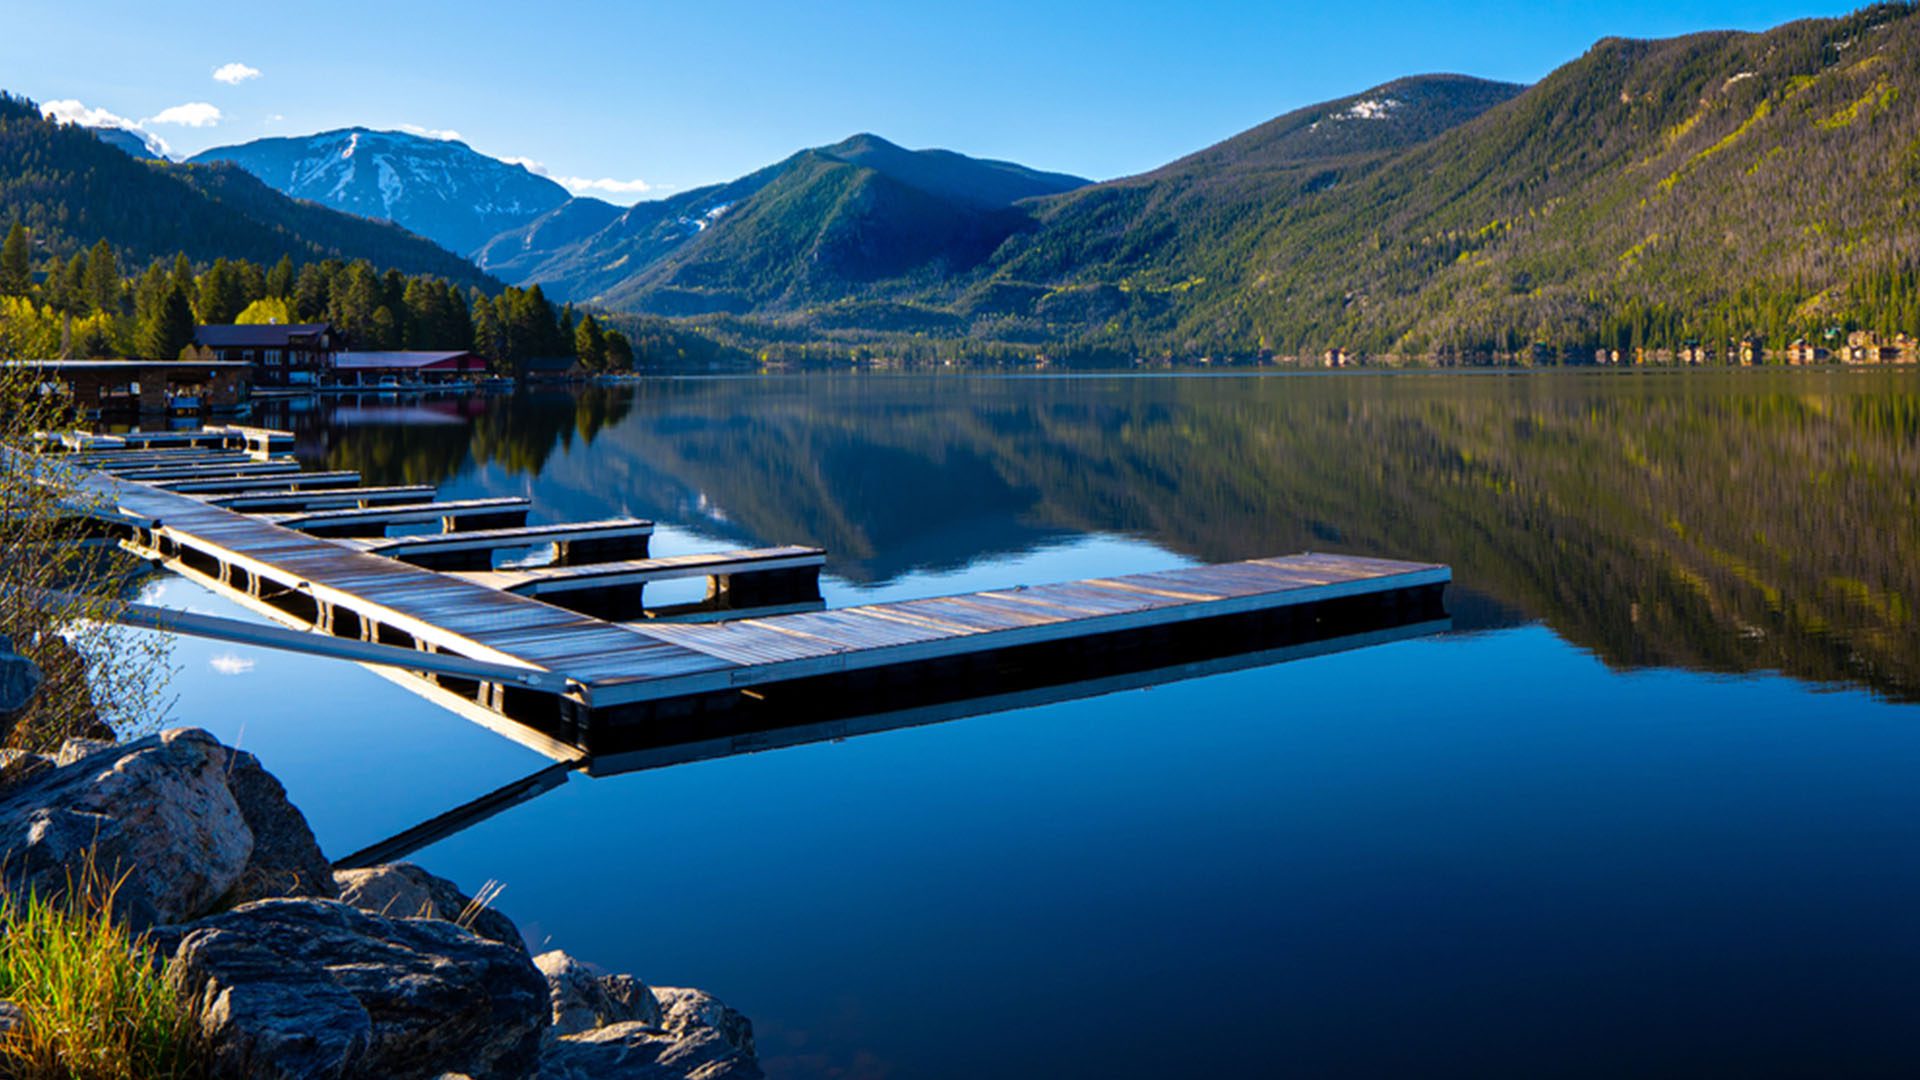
623, 673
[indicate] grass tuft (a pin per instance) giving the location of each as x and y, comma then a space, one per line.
94, 1002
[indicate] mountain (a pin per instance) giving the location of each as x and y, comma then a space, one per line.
71, 189
439, 188
1702, 186
1646, 193
1142, 243
813, 228
130, 142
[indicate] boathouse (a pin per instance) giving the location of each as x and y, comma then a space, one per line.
291, 354
406, 368
101, 388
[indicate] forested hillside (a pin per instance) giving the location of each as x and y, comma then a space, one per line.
814, 228
70, 190
1649, 193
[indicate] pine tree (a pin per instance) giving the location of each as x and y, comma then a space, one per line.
486, 329
312, 292
590, 345
73, 283
619, 351
103, 278
183, 274
565, 339
16, 273
169, 328
280, 278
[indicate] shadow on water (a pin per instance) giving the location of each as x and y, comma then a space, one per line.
1723, 522
798, 714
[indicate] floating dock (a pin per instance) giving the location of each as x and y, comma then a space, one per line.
319, 558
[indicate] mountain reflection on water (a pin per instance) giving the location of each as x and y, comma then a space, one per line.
1719, 521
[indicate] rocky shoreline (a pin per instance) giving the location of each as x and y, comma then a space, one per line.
295, 969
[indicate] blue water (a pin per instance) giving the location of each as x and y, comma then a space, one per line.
1485, 853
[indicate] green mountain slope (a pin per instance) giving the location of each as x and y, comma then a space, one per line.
819, 226
1712, 184
1647, 193
72, 189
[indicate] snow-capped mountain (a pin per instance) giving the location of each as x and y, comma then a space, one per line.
136, 143
440, 188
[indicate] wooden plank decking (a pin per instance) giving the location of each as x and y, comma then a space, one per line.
341, 588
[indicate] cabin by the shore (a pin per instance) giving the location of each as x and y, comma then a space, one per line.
103, 389
289, 354
408, 368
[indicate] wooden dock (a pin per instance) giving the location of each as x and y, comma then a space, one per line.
336, 572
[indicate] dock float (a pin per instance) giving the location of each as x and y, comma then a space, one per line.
336, 573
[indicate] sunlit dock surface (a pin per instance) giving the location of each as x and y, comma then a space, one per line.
636, 683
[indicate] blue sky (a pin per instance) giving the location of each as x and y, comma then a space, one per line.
648, 98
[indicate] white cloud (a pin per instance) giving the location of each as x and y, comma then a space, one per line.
229, 664
69, 111
581, 185
631, 190
193, 114
431, 133
234, 74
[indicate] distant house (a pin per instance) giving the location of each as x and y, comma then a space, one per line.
1804, 352
552, 369
293, 354
373, 368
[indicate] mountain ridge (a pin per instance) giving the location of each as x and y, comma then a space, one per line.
822, 218
442, 189
70, 189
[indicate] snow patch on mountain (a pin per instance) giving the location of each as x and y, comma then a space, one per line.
1368, 109
437, 187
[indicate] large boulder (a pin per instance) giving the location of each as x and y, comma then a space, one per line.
317, 988
190, 823
403, 890
637, 1051
157, 811
583, 1000
286, 858
20, 680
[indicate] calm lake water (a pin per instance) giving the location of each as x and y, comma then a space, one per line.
1650, 808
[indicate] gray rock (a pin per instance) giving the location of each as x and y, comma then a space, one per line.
20, 681
636, 1051
403, 890
74, 750
156, 810
10, 1015
316, 988
583, 1001
19, 766
683, 1011
286, 859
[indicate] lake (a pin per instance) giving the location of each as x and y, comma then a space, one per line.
1648, 808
